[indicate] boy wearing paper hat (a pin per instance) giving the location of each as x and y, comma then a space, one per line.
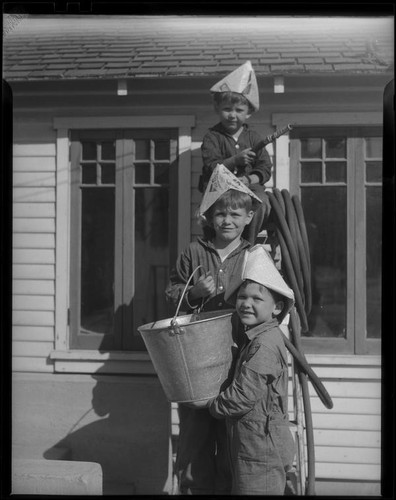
255, 403
231, 142
202, 464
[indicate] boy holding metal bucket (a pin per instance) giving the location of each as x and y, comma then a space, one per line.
255, 404
228, 205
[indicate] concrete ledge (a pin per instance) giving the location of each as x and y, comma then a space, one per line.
56, 477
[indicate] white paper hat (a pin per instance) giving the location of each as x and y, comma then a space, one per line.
243, 81
258, 266
221, 181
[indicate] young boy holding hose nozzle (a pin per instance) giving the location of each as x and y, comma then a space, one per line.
233, 144
228, 205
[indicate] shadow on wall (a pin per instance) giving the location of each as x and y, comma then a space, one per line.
130, 440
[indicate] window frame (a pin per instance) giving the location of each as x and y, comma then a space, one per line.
354, 344
124, 243
68, 360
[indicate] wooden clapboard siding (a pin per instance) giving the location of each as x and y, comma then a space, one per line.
347, 406
24, 145
35, 179
32, 349
33, 287
33, 271
347, 455
33, 240
36, 318
33, 302
37, 165
33, 210
348, 437
41, 225
34, 194
25, 333
351, 437
346, 389
33, 315
344, 422
340, 470
33, 256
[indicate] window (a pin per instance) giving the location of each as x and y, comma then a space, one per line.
123, 197
337, 174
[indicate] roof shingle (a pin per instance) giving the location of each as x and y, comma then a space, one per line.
70, 47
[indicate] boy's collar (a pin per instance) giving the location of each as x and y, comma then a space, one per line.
209, 243
261, 328
220, 128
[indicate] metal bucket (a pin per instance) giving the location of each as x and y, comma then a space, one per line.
192, 354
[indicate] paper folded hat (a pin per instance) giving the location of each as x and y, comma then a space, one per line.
243, 81
258, 266
221, 181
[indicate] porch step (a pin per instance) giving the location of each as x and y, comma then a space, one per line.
56, 477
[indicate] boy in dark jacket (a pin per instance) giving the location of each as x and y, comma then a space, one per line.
255, 404
231, 142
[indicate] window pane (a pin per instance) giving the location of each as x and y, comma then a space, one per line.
151, 254
311, 148
142, 173
162, 149
335, 171
88, 174
373, 260
335, 147
325, 215
161, 173
311, 171
89, 151
108, 173
373, 147
108, 150
142, 149
373, 171
97, 260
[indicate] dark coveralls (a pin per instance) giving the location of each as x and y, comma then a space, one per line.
219, 147
260, 442
202, 464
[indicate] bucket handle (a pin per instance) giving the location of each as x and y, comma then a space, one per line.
173, 321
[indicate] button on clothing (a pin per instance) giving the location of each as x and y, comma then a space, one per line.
261, 445
202, 464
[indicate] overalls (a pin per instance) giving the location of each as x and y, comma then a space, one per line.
261, 446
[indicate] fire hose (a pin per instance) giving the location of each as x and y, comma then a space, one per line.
287, 220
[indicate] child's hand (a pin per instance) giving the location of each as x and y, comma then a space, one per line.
204, 287
245, 158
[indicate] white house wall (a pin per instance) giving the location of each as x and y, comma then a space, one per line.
34, 172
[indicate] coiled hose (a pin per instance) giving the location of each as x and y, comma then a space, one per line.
290, 230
